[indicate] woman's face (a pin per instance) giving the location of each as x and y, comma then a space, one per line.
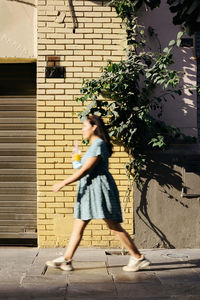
88, 130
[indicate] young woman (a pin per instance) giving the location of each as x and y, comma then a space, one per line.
97, 197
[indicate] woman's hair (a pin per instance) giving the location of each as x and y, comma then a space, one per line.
101, 130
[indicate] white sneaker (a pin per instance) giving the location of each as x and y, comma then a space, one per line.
67, 266
60, 263
136, 264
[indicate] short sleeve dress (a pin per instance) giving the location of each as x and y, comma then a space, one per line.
97, 193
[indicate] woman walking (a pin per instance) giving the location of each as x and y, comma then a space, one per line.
97, 197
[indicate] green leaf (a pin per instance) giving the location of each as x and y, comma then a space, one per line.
180, 34
178, 43
166, 50
172, 43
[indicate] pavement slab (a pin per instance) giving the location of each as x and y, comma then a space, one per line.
140, 290
174, 274
98, 290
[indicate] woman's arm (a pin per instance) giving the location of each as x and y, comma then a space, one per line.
84, 170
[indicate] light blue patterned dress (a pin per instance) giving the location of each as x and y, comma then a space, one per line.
97, 193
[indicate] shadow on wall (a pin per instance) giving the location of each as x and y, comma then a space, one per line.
158, 171
181, 111
164, 216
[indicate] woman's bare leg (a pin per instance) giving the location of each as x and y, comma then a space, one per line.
76, 236
124, 237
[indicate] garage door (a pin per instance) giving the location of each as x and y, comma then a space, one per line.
18, 200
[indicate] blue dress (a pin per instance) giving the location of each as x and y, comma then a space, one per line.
97, 193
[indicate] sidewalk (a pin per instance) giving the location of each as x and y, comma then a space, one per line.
174, 274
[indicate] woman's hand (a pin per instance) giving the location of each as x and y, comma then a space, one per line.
85, 169
58, 186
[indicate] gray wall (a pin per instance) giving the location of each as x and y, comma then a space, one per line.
167, 210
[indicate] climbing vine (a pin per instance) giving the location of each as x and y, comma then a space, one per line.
126, 93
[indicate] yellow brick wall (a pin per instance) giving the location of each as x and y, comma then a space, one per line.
98, 38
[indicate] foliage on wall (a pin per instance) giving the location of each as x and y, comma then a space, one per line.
126, 93
186, 12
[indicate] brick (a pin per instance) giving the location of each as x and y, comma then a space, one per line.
41, 36
101, 20
104, 42
55, 204
85, 243
85, 20
94, 36
83, 41
94, 14
102, 8
50, 11
110, 14
82, 63
100, 243
90, 3
60, 7
40, 216
45, 29
93, 58
54, 103
55, 47
92, 25
55, 35
55, 91
83, 8
55, 80
85, 30
102, 30
75, 58
101, 52
107, 238
45, 18
82, 52
74, 36
46, 52
47, 210
94, 47
41, 24
75, 47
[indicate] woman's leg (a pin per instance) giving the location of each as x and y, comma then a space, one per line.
76, 236
124, 237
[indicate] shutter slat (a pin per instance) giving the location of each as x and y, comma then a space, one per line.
17, 120
17, 178
22, 108
17, 139
17, 114
17, 165
18, 198
17, 158
17, 146
18, 191
18, 172
18, 182
10, 229
17, 126
17, 133
21, 235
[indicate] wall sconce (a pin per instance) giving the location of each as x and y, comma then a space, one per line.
53, 68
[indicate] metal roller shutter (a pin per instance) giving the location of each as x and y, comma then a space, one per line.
18, 198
